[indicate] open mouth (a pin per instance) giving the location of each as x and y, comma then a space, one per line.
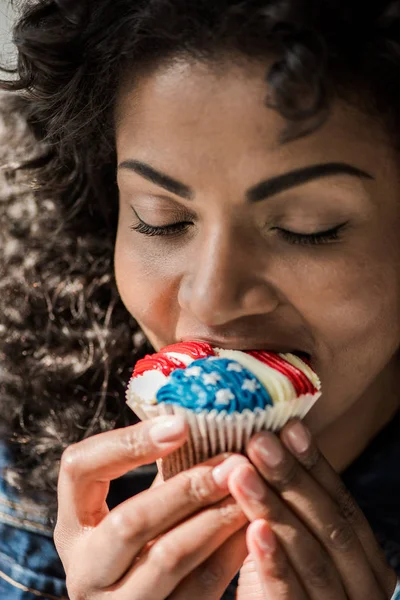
301, 354
304, 356
238, 345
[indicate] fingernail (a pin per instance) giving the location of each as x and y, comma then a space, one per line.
298, 438
269, 449
222, 471
265, 537
250, 483
167, 429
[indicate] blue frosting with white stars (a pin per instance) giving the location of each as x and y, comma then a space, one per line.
214, 384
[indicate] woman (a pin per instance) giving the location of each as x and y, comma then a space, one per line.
243, 156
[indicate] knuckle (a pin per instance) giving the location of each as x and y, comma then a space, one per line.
229, 514
197, 487
347, 504
165, 557
289, 476
312, 459
340, 535
211, 575
70, 460
318, 573
127, 526
135, 442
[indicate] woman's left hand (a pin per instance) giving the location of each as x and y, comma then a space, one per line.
308, 539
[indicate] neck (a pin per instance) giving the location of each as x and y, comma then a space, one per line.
343, 441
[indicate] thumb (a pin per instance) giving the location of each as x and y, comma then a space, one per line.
249, 587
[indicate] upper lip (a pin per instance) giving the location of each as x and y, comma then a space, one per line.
246, 345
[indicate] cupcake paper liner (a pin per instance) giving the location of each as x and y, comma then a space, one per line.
214, 432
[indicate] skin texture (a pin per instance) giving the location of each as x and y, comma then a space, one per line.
282, 516
186, 538
231, 277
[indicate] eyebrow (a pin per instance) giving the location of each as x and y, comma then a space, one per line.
278, 184
260, 191
160, 179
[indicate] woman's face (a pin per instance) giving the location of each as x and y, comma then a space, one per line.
228, 236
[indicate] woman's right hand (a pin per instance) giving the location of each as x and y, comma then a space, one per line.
184, 538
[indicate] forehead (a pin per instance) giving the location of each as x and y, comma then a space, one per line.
190, 116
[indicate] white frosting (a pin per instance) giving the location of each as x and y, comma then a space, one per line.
278, 385
304, 368
143, 388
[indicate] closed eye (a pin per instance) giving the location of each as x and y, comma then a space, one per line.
312, 239
292, 237
171, 229
151, 230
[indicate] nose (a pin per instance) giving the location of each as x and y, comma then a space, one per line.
225, 280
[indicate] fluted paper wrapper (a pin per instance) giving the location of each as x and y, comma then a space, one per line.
214, 432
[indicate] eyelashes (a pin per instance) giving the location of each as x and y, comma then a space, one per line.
173, 229
313, 239
292, 237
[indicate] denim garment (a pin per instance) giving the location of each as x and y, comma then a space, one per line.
29, 564
30, 568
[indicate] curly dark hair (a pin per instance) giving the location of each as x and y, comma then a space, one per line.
66, 342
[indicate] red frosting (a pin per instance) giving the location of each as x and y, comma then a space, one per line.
167, 364
195, 350
300, 381
159, 362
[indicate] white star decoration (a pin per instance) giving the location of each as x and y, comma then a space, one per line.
250, 385
234, 367
193, 371
211, 378
224, 397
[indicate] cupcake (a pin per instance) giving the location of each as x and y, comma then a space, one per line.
226, 396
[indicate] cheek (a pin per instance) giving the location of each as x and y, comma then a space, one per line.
352, 307
148, 286
354, 303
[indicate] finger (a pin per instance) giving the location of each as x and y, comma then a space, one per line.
145, 517
316, 509
249, 586
276, 575
309, 560
210, 580
88, 467
174, 555
297, 438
